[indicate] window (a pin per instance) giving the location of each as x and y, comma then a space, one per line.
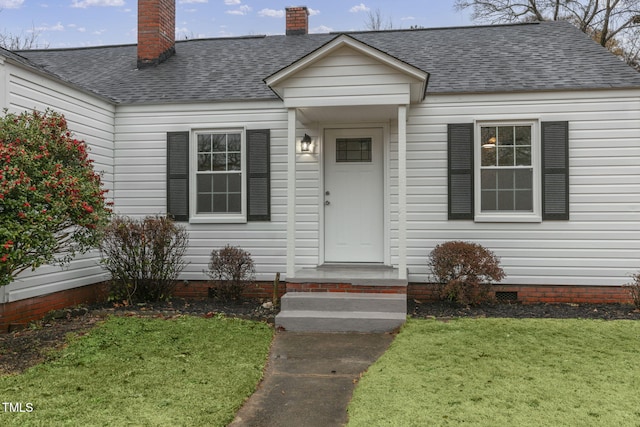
353, 150
506, 188
219, 175
219, 189
508, 171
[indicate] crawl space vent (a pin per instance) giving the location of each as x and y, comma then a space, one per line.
507, 297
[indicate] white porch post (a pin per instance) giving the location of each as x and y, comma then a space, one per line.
402, 192
291, 193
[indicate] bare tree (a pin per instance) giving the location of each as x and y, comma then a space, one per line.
375, 21
22, 41
614, 24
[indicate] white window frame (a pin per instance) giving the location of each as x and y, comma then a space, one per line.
222, 218
509, 216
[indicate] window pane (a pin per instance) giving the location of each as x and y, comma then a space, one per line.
505, 135
488, 200
505, 200
220, 203
523, 156
233, 141
204, 184
523, 135
204, 162
233, 163
489, 156
204, 203
524, 200
505, 180
235, 203
204, 143
235, 182
219, 162
505, 156
487, 135
488, 179
219, 183
524, 179
353, 145
219, 142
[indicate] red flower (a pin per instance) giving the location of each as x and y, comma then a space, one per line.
8, 244
26, 205
4, 258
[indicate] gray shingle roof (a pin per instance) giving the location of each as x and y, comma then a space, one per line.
525, 57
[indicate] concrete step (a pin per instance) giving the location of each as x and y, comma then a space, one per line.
339, 321
342, 301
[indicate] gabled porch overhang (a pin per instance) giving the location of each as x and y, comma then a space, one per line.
347, 81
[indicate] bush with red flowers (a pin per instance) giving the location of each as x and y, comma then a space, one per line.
52, 203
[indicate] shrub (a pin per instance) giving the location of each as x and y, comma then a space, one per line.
634, 289
465, 271
144, 257
52, 203
232, 270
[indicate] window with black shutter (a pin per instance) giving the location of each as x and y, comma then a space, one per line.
219, 176
511, 180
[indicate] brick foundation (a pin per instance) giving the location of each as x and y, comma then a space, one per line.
532, 294
19, 313
200, 290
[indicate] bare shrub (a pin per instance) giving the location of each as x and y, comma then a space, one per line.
465, 271
232, 270
144, 257
634, 289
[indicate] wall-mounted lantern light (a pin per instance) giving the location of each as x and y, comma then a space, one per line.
305, 144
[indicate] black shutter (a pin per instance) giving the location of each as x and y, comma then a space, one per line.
460, 170
555, 170
178, 175
258, 175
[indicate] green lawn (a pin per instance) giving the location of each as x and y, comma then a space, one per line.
504, 372
186, 371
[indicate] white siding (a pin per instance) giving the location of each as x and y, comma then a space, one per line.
599, 245
347, 77
90, 119
141, 181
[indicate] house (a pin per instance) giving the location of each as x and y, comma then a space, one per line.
341, 160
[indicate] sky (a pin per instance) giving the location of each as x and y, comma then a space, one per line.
79, 23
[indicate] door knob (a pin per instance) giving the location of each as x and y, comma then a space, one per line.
326, 193
327, 203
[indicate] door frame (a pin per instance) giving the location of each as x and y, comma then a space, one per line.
386, 214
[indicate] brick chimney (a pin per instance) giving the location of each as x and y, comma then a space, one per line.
156, 31
297, 20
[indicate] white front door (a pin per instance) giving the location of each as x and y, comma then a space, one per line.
353, 195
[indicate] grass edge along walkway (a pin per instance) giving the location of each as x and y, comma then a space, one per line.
504, 372
144, 372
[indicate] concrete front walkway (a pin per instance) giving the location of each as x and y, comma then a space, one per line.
309, 379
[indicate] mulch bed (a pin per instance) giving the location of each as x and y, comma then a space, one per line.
22, 349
